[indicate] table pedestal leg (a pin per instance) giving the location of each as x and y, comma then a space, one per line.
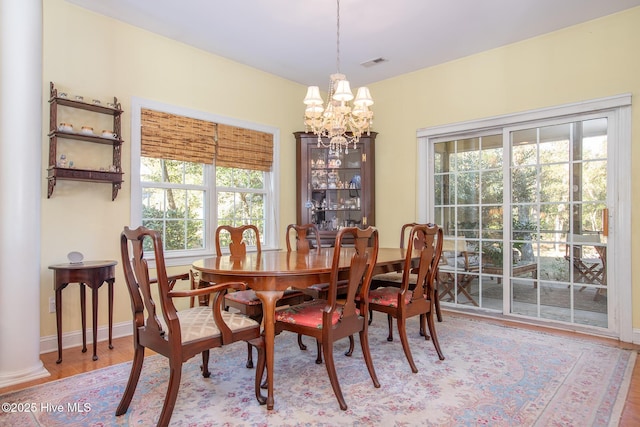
269, 299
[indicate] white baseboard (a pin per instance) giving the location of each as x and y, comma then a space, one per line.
636, 336
74, 338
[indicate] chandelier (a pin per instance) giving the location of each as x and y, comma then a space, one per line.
339, 122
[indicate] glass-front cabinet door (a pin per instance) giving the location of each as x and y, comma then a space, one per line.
334, 189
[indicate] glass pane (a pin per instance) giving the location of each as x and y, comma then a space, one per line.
439, 217
588, 218
448, 221
437, 162
523, 153
194, 173
492, 186
243, 178
553, 264
556, 183
554, 151
174, 235
438, 190
153, 203
468, 188
524, 182
352, 160
226, 212
256, 206
173, 171
176, 203
195, 205
492, 152
554, 220
492, 222
445, 159
594, 141
468, 154
150, 170
224, 177
195, 234
594, 184
468, 221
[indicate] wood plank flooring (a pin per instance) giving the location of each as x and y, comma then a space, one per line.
75, 362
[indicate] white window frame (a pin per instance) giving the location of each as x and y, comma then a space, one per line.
619, 183
272, 181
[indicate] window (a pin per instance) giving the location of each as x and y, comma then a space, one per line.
173, 202
185, 199
241, 198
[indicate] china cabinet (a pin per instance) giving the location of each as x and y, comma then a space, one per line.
61, 168
335, 189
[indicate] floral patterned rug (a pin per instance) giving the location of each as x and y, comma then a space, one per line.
492, 375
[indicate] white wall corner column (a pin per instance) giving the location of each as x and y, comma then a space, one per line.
20, 189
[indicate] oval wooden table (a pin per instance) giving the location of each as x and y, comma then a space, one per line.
270, 273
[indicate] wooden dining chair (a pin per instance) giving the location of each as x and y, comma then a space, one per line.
395, 279
331, 320
425, 242
246, 301
307, 238
175, 334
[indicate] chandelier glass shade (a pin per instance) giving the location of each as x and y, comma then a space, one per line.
343, 119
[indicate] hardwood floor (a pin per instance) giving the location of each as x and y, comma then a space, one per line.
75, 362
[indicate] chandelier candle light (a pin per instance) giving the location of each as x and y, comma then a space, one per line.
338, 121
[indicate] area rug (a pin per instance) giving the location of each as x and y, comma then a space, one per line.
493, 375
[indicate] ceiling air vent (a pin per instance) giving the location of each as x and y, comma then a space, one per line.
373, 62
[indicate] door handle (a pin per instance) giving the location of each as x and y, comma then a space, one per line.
605, 222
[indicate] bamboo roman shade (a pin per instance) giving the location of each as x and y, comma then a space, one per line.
244, 148
169, 136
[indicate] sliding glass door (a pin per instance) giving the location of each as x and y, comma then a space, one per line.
524, 213
558, 209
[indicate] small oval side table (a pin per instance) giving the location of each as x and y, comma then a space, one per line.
92, 274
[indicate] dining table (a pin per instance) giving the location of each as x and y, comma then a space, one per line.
270, 273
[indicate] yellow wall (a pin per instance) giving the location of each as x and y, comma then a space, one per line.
97, 57
88, 54
593, 60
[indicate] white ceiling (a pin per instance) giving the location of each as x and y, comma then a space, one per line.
296, 39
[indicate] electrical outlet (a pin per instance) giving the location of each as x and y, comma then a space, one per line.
52, 305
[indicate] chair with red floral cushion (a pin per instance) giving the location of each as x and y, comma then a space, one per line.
175, 334
329, 320
403, 303
246, 301
307, 238
395, 278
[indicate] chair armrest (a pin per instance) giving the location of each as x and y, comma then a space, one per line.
240, 286
172, 279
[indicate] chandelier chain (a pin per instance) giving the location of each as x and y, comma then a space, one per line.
338, 38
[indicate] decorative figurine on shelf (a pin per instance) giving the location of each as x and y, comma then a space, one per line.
62, 163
